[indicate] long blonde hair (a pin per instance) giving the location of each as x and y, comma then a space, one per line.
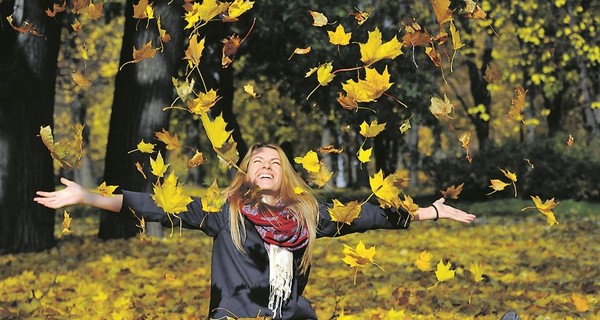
304, 206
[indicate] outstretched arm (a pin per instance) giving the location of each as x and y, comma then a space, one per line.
76, 194
444, 212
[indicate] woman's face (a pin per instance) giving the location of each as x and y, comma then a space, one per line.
265, 170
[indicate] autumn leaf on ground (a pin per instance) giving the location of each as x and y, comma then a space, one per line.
310, 161
215, 130
144, 147
236, 9
339, 37
452, 192
443, 273
371, 130
441, 108
80, 79
545, 208
442, 10
321, 177
359, 257
145, 52
203, 102
330, 149
385, 190
512, 177
56, 8
344, 213
196, 160
171, 197
67, 151
300, 51
249, 89
66, 222
158, 166
580, 302
497, 185
26, 27
139, 168
465, 139
171, 141
374, 49
517, 103
212, 199
106, 190
423, 262
570, 141
360, 16
319, 19
364, 156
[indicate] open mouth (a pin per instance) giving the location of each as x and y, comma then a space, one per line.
265, 176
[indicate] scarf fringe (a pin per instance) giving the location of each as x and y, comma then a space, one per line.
280, 277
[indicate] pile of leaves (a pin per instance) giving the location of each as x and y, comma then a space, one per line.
437, 270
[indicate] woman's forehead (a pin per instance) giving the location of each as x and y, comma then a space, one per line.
266, 153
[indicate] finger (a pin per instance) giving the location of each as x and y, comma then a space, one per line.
44, 193
66, 181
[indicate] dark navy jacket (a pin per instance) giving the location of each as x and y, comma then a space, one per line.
240, 281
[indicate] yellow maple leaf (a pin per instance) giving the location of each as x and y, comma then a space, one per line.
476, 271
170, 196
441, 107
171, 141
106, 191
164, 36
66, 222
83, 51
344, 213
385, 189
517, 103
339, 37
144, 147
409, 205
443, 272
193, 53
145, 52
68, 151
215, 130
473, 11
321, 177
371, 130
204, 12
580, 302
310, 161
374, 49
205, 100
139, 10
423, 262
359, 257
497, 185
364, 156
456, 42
452, 191
158, 166
369, 89
299, 190
442, 10
300, 51
249, 89
405, 126
545, 208
319, 19
465, 139
512, 177
324, 75
212, 199
237, 8
95, 11
196, 160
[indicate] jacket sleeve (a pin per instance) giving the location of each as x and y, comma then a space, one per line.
371, 217
142, 205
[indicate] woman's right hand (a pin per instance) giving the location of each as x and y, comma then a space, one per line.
72, 194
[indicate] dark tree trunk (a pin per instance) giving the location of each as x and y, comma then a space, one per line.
142, 90
28, 69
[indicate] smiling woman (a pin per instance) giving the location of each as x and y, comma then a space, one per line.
264, 235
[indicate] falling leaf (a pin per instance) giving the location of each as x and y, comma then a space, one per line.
228, 153
476, 272
67, 151
517, 104
529, 163
56, 8
385, 189
473, 11
144, 147
405, 126
364, 156
236, 9
196, 160
212, 199
300, 51
371, 130
95, 11
434, 56
204, 12
443, 272
409, 205
452, 192
170, 196
512, 177
299, 190
414, 35
339, 36
321, 177
80, 5
442, 10
347, 101
145, 52
139, 168
66, 222
497, 185
465, 139
324, 75
360, 16
580, 302
164, 36
215, 130
139, 9
441, 108
80, 79
423, 262
330, 149
374, 50
250, 90
344, 213
203, 102
26, 27
492, 74
171, 141
105, 190
310, 161
570, 141
76, 26
370, 88
231, 45
359, 257
193, 53
456, 43
319, 19
183, 88
545, 208
158, 166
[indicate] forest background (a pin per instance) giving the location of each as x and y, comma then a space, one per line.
512, 94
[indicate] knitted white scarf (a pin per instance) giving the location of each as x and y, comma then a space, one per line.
281, 264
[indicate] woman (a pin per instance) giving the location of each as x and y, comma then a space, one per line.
263, 236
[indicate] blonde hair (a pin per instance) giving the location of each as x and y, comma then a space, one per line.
303, 206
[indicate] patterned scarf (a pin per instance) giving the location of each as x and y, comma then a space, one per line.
282, 234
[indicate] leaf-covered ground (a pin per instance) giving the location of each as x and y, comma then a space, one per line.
529, 266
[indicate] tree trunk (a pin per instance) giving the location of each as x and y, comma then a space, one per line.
28, 68
142, 90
